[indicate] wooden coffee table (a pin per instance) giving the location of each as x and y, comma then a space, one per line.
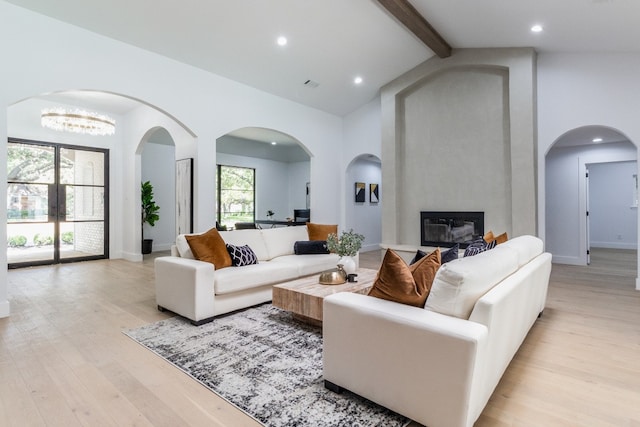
303, 297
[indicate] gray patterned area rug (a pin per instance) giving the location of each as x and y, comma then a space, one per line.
265, 363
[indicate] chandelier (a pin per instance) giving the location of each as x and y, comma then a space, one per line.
77, 121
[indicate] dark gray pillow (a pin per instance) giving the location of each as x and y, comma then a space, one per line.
310, 247
445, 256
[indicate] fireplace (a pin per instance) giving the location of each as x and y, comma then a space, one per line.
448, 228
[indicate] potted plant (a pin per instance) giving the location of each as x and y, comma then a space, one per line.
149, 213
347, 246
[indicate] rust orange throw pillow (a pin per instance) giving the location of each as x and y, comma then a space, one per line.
490, 237
320, 231
396, 281
210, 247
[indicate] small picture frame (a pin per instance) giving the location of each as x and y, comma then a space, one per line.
360, 192
374, 193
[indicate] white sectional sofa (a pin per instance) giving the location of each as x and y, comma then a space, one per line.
196, 290
439, 366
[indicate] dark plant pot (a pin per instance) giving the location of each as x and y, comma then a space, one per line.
147, 245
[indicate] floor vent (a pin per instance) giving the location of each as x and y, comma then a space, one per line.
311, 84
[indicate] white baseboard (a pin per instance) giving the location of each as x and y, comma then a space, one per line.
570, 260
614, 245
132, 257
161, 247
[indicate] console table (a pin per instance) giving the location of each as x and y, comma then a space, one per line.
274, 223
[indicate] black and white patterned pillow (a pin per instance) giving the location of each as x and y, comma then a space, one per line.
241, 255
478, 247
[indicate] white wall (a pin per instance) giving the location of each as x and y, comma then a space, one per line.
362, 139
576, 90
613, 216
298, 178
365, 218
53, 56
158, 167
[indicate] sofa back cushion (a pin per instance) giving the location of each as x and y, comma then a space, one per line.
183, 246
460, 283
527, 248
280, 241
252, 238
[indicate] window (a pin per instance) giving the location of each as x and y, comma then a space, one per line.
235, 187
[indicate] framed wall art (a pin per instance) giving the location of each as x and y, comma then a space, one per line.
374, 193
360, 192
184, 196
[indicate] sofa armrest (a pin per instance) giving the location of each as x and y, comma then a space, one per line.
185, 286
419, 363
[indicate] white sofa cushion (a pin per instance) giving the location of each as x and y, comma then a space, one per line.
280, 241
309, 264
527, 248
183, 247
234, 279
460, 283
252, 238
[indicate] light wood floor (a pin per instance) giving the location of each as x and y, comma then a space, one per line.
65, 362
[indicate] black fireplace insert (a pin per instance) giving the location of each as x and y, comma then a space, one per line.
448, 228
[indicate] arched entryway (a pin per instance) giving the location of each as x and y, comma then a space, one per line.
364, 198
279, 167
567, 192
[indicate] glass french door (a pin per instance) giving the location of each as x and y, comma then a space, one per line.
57, 203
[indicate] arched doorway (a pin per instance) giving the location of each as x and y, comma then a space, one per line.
567, 192
158, 167
279, 167
363, 204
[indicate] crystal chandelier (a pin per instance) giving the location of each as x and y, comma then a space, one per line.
78, 121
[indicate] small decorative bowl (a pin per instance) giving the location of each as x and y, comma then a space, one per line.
337, 276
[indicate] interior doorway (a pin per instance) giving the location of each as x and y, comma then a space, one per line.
57, 203
570, 200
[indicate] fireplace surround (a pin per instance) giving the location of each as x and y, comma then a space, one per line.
442, 228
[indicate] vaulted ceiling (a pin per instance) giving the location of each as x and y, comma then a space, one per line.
331, 42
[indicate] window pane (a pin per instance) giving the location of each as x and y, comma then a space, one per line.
27, 203
84, 203
30, 163
81, 167
237, 196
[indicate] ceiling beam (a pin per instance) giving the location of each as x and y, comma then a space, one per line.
404, 12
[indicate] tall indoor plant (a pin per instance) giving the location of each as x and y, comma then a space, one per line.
149, 213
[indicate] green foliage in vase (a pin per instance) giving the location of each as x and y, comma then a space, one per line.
348, 244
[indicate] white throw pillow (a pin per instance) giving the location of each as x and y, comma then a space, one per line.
460, 283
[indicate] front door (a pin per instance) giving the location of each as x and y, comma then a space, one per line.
57, 203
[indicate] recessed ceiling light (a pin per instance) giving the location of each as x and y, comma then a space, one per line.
282, 41
597, 139
357, 80
273, 143
536, 29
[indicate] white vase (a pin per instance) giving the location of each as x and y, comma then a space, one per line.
348, 264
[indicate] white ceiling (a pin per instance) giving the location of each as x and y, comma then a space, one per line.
332, 41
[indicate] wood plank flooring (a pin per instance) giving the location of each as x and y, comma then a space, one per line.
65, 362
